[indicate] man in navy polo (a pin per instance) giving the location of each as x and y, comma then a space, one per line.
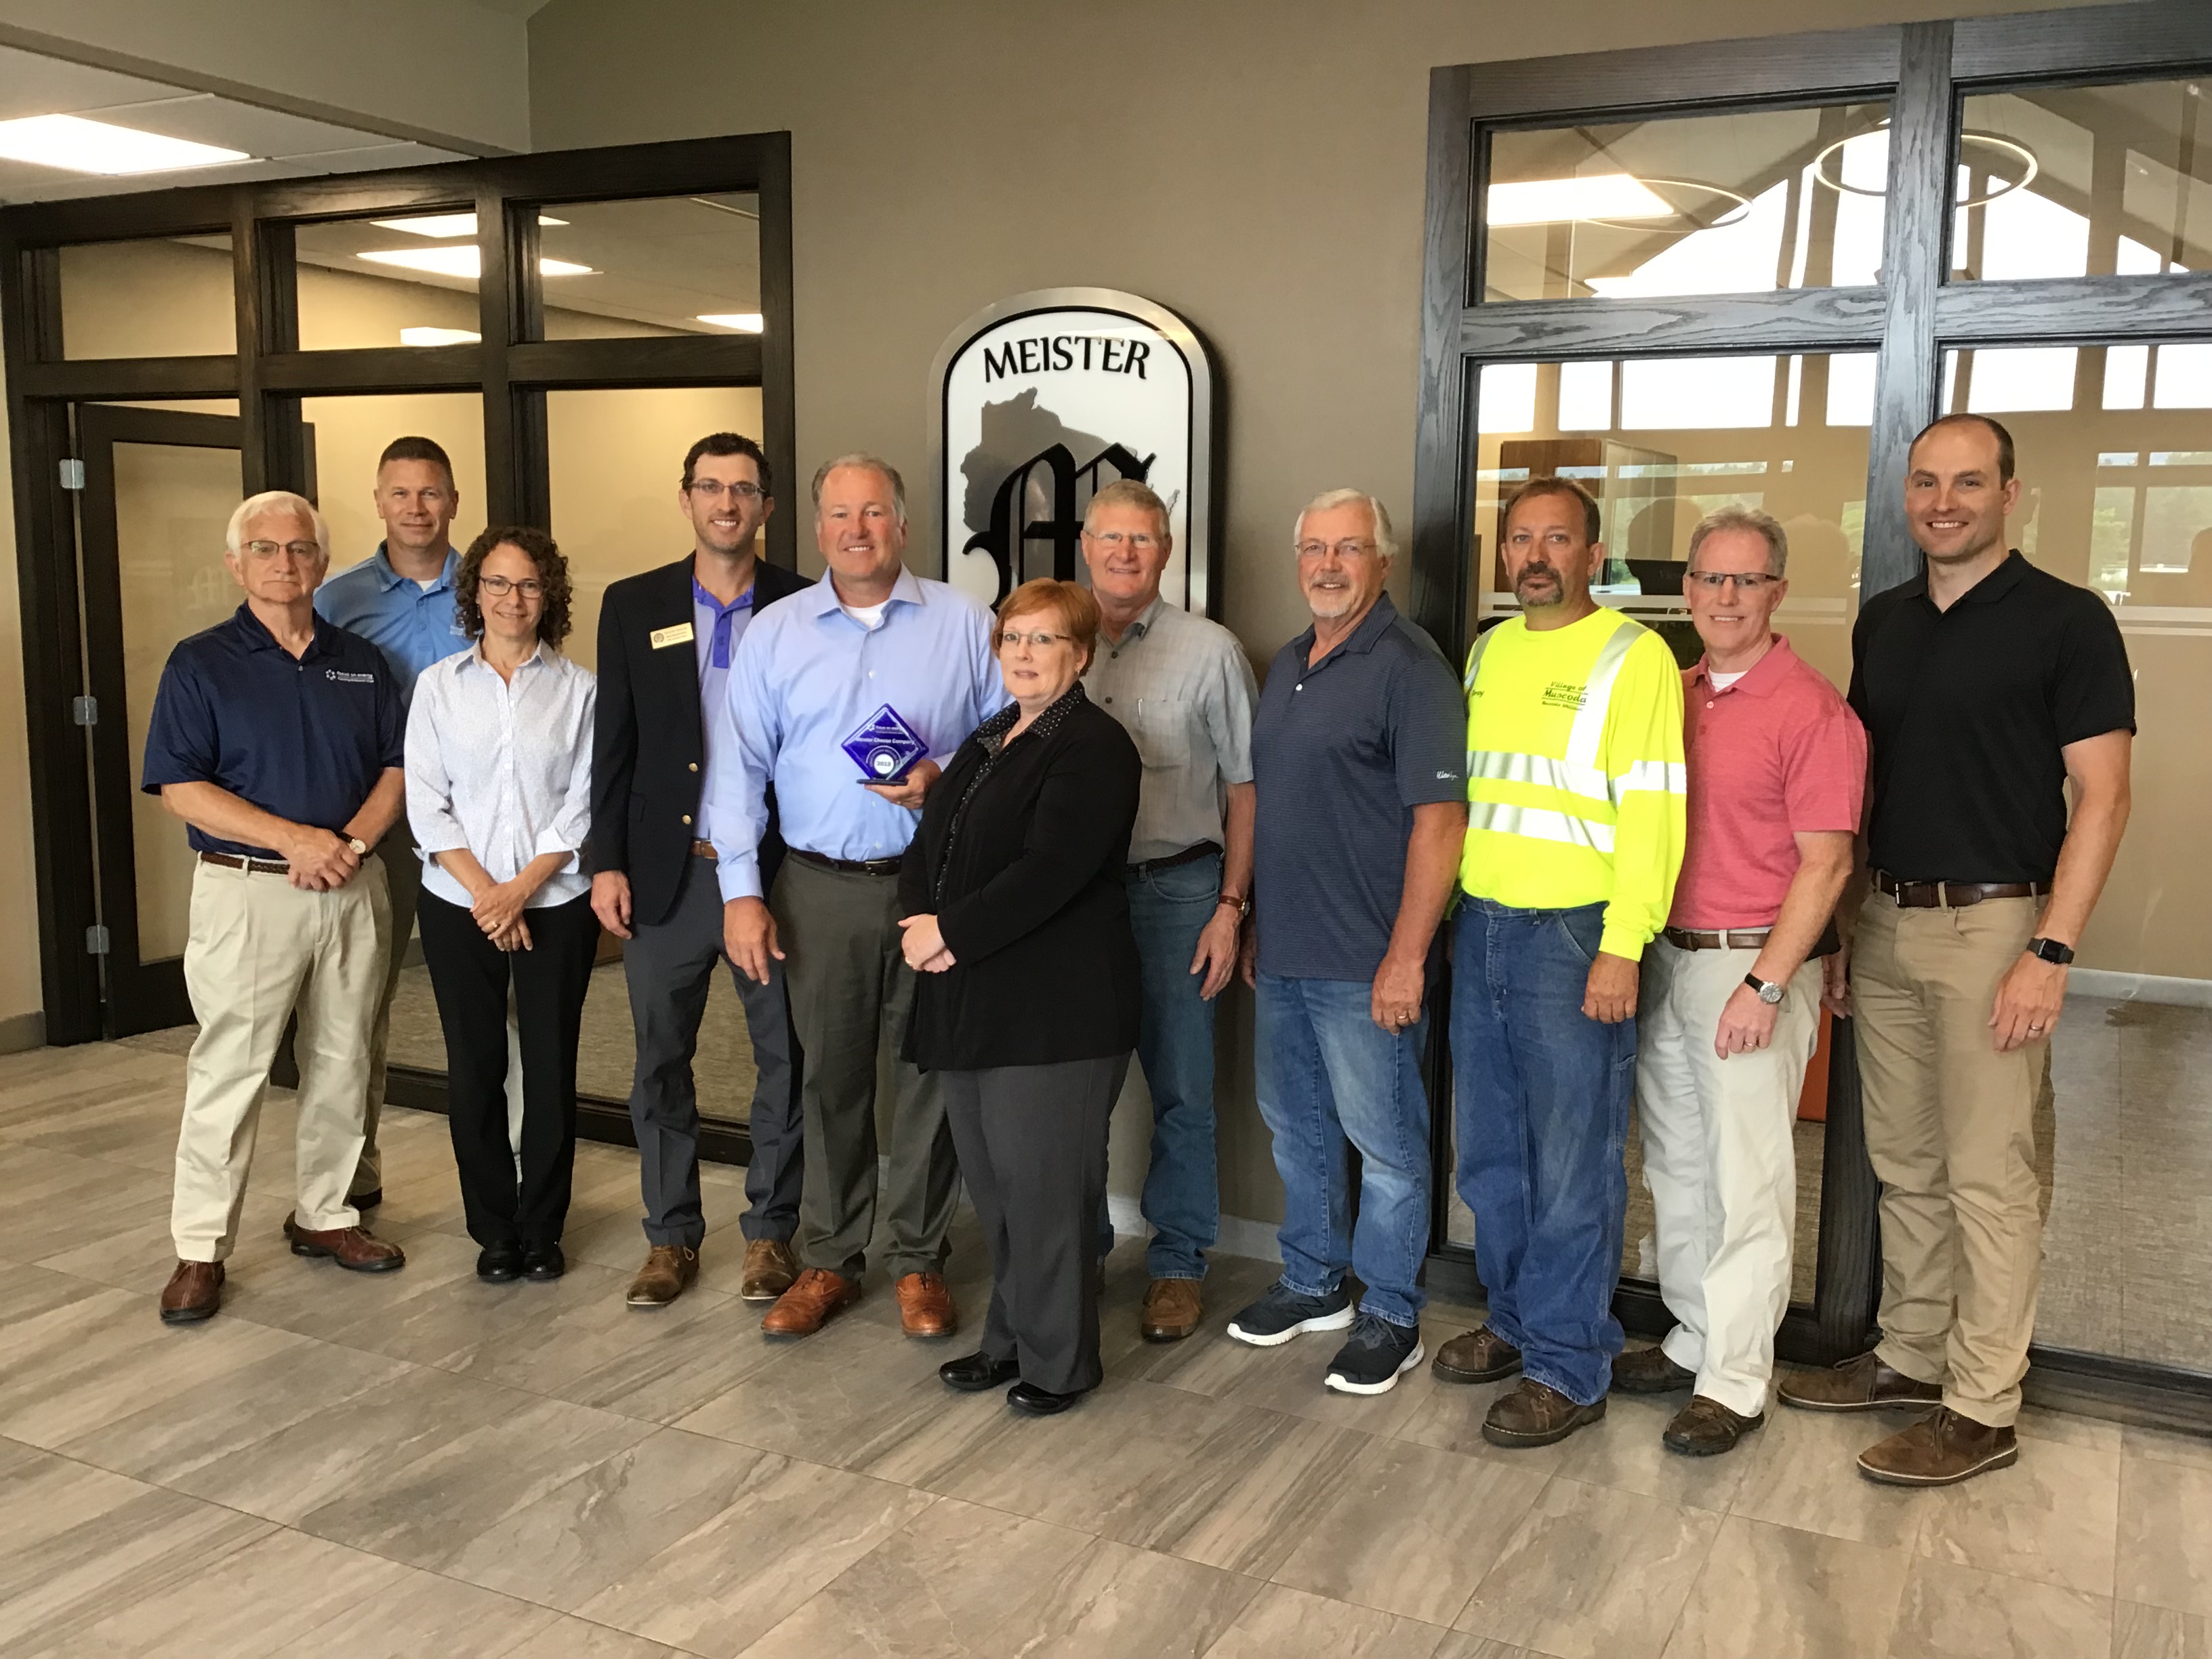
401, 601
277, 736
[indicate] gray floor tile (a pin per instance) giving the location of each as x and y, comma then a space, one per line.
1804, 1472
1782, 1594
1960, 1612
1625, 1451
423, 1616
1280, 1622
2141, 1632
2052, 1517
2165, 1535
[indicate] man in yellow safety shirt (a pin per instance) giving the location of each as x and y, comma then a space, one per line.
1576, 803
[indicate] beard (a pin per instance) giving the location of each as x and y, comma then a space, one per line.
1330, 603
1539, 585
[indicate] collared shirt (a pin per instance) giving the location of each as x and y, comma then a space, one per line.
1342, 752
716, 630
1182, 687
502, 768
414, 626
1968, 710
305, 739
806, 677
1775, 754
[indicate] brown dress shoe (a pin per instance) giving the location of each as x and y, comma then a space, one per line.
1173, 1308
351, 1248
1480, 1355
925, 1304
1940, 1450
1861, 1383
193, 1293
1536, 1415
769, 1269
668, 1272
1649, 1370
1705, 1428
814, 1296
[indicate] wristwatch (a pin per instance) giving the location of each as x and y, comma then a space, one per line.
2051, 950
360, 847
1769, 991
1237, 902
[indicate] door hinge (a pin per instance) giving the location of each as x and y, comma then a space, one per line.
95, 941
84, 711
72, 475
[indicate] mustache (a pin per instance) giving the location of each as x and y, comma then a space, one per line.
1536, 572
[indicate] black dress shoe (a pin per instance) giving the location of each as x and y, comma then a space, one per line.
975, 1372
1033, 1401
499, 1264
541, 1262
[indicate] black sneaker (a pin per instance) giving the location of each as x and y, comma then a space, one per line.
1375, 1356
1282, 1314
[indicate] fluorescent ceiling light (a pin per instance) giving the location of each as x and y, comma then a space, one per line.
460, 260
1599, 196
745, 322
430, 336
74, 145
446, 225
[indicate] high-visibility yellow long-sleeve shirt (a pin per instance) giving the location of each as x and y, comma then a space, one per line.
1575, 784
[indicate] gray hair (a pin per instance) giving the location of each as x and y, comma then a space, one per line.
874, 463
1128, 492
1386, 542
273, 501
1763, 525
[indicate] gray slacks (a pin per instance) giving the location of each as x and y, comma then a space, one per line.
851, 991
1032, 1144
669, 967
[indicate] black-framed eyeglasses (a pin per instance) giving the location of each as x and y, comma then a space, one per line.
499, 587
745, 489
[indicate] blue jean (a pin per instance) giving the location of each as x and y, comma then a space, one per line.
1329, 1076
1544, 1095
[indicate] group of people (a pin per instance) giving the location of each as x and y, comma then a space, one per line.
1017, 851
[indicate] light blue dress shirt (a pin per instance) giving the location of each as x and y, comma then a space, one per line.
412, 625
708, 614
807, 677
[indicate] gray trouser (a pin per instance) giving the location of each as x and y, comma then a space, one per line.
402, 874
850, 990
669, 967
1032, 1144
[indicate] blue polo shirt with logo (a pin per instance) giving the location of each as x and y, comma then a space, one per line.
413, 625
307, 739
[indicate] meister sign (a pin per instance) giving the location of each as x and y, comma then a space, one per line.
1044, 398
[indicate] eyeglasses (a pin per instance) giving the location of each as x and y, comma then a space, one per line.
1113, 541
1036, 637
743, 491
1349, 550
1715, 580
499, 587
269, 550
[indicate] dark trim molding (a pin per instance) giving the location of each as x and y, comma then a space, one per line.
597, 1119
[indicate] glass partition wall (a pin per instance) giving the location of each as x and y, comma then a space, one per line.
564, 324
1750, 272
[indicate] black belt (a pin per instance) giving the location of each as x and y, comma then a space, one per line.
1953, 895
1205, 850
252, 866
848, 867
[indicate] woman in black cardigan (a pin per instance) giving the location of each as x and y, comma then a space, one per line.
1018, 923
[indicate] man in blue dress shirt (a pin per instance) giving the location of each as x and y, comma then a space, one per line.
869, 636
402, 602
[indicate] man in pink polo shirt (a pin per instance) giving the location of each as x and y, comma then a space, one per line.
1731, 993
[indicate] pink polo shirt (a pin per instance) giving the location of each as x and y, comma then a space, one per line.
1778, 753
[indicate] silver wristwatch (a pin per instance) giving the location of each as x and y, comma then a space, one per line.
360, 847
1767, 990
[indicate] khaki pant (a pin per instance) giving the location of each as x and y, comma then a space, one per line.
1720, 1156
260, 948
1950, 1128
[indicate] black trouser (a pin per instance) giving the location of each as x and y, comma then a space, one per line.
470, 974
1031, 1141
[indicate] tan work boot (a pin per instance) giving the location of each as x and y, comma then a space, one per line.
1861, 1383
1173, 1308
1480, 1355
769, 1268
668, 1272
1940, 1450
1536, 1414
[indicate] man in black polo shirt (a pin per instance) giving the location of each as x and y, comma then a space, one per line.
277, 736
1988, 686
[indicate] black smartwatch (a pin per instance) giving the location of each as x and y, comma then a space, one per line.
2051, 950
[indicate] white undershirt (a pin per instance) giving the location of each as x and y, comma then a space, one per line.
1722, 682
870, 616
426, 583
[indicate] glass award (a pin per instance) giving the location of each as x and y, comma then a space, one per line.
885, 747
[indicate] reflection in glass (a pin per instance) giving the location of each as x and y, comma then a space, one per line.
1737, 203
163, 297
368, 282
679, 265
346, 434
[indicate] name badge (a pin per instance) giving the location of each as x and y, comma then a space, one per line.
679, 634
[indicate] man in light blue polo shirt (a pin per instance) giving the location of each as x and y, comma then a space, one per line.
402, 601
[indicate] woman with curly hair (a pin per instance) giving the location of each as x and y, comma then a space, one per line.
499, 761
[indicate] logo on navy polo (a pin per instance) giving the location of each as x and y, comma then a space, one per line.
345, 678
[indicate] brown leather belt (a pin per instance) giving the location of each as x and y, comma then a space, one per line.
848, 867
1205, 850
252, 866
1729, 940
704, 849
1953, 895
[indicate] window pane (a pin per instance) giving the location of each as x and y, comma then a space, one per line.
1737, 203
681, 265
2115, 461
409, 280
2084, 182
166, 297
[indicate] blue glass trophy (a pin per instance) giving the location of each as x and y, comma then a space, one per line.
885, 747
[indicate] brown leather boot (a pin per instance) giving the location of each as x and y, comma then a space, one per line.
1173, 1308
769, 1269
1649, 1370
813, 1298
1861, 1383
1705, 1428
1940, 1450
193, 1293
924, 1304
1480, 1355
1536, 1415
351, 1248
668, 1272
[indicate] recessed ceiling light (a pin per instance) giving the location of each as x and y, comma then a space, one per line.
460, 260
1597, 196
74, 145
434, 337
745, 322
445, 225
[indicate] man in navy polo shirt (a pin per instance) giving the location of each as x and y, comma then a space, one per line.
277, 736
401, 601
1361, 815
